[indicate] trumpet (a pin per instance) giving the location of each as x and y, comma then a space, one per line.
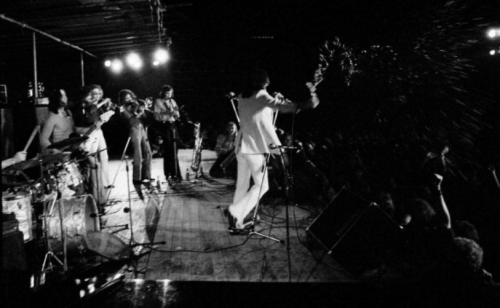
136, 108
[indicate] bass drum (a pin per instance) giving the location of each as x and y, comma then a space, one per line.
79, 217
20, 204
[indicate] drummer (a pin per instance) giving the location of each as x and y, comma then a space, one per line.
17, 158
59, 125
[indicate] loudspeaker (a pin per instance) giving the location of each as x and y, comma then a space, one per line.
14, 255
356, 233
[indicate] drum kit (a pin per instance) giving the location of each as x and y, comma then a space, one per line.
53, 209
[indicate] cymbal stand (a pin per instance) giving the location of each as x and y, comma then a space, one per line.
47, 260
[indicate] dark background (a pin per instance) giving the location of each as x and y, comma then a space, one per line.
417, 71
442, 56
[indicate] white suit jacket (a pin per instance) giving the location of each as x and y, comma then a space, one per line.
257, 131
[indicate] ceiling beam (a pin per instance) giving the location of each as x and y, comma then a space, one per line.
23, 25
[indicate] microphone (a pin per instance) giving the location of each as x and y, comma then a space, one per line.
273, 146
280, 97
231, 95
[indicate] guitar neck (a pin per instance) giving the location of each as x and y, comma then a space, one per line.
90, 131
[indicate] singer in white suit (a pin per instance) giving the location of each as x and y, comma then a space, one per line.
256, 108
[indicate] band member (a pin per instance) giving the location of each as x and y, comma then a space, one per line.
257, 133
134, 113
224, 149
166, 110
88, 122
59, 125
225, 141
17, 158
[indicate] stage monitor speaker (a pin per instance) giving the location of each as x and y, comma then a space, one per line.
14, 255
356, 233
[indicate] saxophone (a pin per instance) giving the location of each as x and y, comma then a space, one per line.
195, 165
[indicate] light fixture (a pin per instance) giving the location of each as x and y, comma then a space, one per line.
161, 56
107, 63
134, 61
493, 33
116, 65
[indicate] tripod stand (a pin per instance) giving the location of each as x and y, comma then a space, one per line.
251, 230
47, 260
120, 227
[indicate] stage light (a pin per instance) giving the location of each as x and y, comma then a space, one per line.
494, 33
107, 63
134, 61
161, 56
492, 52
116, 65
156, 63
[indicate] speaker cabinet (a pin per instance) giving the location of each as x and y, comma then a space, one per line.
356, 233
14, 255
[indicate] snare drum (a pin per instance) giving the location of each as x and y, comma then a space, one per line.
20, 204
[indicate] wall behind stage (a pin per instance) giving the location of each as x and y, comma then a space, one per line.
7, 129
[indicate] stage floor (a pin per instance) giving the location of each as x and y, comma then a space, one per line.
189, 218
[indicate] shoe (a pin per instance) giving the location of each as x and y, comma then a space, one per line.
138, 189
233, 230
147, 184
232, 220
239, 231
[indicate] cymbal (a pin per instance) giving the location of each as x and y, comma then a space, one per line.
53, 158
30, 163
36, 161
67, 142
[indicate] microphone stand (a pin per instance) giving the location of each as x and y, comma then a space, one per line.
256, 209
288, 180
121, 226
132, 242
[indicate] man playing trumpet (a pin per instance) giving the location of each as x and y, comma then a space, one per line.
133, 110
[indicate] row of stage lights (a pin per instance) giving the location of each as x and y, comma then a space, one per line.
134, 61
494, 34
161, 56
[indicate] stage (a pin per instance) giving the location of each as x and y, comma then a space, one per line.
189, 217
194, 261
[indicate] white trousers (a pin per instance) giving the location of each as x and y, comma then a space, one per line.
245, 199
98, 143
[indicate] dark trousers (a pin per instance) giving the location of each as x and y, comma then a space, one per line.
142, 153
170, 161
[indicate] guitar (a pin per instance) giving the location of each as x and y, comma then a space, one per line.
103, 118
